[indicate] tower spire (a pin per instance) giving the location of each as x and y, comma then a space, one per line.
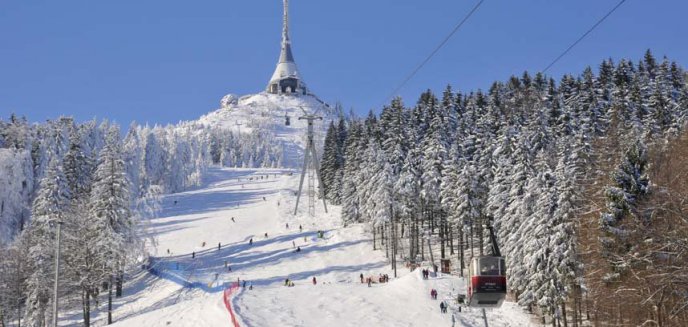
286, 78
285, 54
285, 22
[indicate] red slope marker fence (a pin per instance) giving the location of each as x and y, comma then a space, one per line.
228, 303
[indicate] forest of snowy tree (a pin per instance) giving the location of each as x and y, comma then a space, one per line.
533, 158
101, 186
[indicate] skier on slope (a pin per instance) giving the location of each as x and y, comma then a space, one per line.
314, 281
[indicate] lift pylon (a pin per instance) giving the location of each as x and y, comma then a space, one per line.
310, 158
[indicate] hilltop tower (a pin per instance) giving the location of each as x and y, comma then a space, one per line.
286, 78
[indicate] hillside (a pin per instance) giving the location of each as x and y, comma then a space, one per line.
265, 113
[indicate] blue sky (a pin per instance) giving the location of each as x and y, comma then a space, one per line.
165, 61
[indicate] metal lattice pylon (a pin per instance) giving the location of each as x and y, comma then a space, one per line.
310, 167
311, 190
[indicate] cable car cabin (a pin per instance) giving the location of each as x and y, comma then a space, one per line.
487, 282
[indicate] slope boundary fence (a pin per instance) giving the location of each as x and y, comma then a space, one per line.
227, 295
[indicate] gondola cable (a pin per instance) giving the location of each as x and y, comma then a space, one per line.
435, 51
584, 35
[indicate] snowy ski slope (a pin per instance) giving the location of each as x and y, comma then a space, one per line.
183, 291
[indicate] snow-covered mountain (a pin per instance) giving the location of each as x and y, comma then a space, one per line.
267, 114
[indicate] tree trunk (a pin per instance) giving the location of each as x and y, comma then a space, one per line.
441, 231
480, 238
394, 244
382, 234
110, 301
86, 306
374, 228
563, 314
385, 226
471, 240
575, 310
120, 280
411, 235
451, 239
461, 258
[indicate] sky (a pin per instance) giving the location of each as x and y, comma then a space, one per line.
160, 62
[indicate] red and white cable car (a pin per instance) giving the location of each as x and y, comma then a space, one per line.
486, 281
487, 278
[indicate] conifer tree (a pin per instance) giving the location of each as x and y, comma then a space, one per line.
330, 163
77, 166
629, 183
49, 207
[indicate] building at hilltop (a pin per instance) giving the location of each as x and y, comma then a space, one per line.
286, 78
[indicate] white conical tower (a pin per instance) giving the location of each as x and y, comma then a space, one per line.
286, 78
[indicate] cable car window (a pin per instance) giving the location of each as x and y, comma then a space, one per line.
490, 266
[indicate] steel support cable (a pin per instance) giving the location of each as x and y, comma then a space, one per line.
584, 35
435, 51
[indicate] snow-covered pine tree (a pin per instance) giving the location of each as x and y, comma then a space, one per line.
330, 161
498, 198
518, 210
407, 190
154, 159
629, 183
50, 205
77, 166
13, 276
370, 176
531, 255
16, 191
351, 184
434, 154
110, 203
132, 152
87, 254
563, 265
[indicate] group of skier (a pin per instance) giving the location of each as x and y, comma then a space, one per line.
382, 278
